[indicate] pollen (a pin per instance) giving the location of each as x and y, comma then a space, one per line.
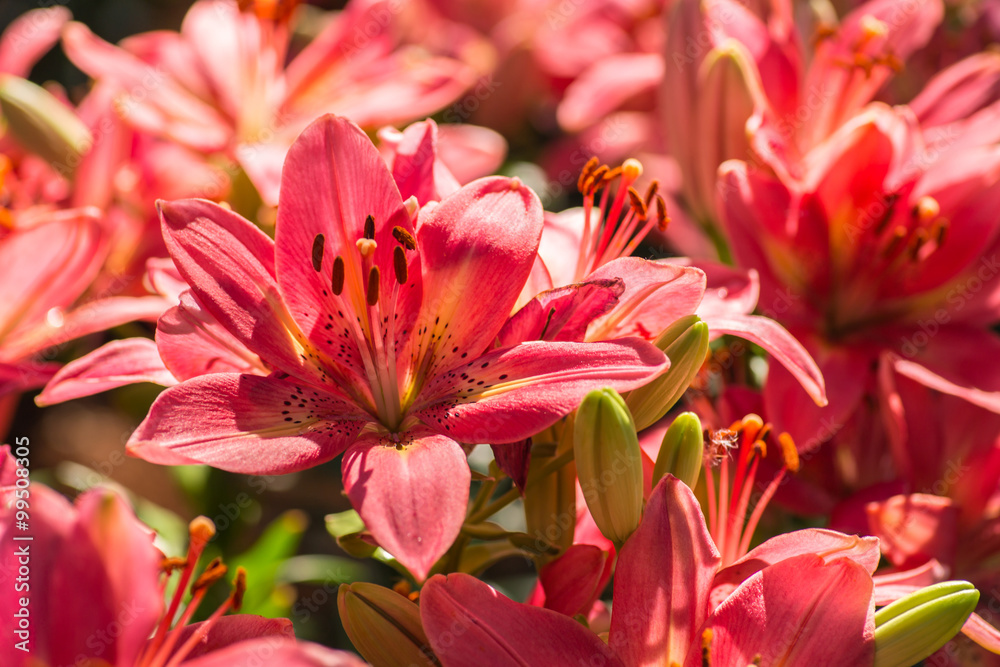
337, 281
317, 251
404, 238
371, 294
399, 264
789, 452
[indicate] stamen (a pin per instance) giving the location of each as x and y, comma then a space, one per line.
411, 205
366, 247
873, 27
663, 220
317, 252
371, 294
239, 588
214, 571
337, 283
404, 238
890, 207
638, 205
940, 231
651, 191
399, 264
581, 183
898, 234
917, 242
370, 227
789, 452
172, 564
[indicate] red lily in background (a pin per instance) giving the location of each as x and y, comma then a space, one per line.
96, 590
883, 255
378, 336
182, 86
674, 605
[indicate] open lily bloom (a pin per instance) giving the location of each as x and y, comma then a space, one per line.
674, 605
883, 255
96, 591
180, 85
378, 336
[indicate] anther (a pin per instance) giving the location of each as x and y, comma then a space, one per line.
366, 247
890, 207
214, 571
369, 227
239, 588
172, 564
895, 241
404, 238
661, 213
371, 294
399, 264
581, 183
789, 452
917, 242
638, 205
940, 231
337, 283
651, 191
317, 252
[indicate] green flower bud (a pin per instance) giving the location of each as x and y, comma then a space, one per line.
383, 625
550, 501
42, 124
685, 342
914, 626
682, 451
609, 463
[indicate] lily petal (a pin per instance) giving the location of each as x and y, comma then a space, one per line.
192, 343
285, 652
470, 625
476, 248
779, 343
663, 580
29, 37
777, 620
119, 363
561, 314
412, 497
513, 393
245, 423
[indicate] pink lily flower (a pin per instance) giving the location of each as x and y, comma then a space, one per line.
673, 604
883, 255
95, 591
183, 86
378, 337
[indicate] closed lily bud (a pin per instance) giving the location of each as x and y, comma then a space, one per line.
550, 502
609, 463
915, 626
383, 625
682, 451
42, 124
685, 342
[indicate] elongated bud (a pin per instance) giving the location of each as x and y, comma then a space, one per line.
915, 626
685, 342
682, 451
609, 463
42, 124
550, 501
384, 625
